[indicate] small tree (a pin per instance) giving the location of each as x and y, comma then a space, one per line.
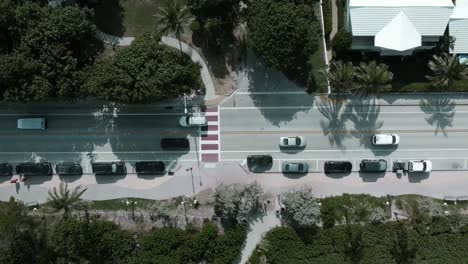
403, 248
377, 216
65, 199
373, 78
341, 42
340, 76
301, 207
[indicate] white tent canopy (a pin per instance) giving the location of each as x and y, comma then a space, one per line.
399, 34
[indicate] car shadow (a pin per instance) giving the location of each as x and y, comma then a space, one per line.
371, 176
106, 179
417, 177
337, 175
71, 178
259, 169
34, 180
383, 150
291, 150
295, 175
151, 176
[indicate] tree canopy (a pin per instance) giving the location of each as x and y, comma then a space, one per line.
145, 72
283, 34
44, 50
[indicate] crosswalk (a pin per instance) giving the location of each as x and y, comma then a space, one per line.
210, 136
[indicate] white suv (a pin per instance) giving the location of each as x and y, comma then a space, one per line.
419, 166
385, 139
190, 121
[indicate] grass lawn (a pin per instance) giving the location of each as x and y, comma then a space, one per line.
127, 17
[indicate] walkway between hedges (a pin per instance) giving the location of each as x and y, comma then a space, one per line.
173, 43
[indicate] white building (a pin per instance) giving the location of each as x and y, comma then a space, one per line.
398, 27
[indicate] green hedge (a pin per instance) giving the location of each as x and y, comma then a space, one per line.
383, 243
327, 18
460, 86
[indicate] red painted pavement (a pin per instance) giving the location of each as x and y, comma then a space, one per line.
210, 157
210, 137
212, 118
213, 109
209, 146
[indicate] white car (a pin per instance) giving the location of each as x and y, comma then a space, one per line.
288, 142
195, 120
385, 139
419, 166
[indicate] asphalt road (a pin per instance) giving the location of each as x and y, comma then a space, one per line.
433, 127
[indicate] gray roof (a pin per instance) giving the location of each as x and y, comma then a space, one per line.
428, 20
458, 28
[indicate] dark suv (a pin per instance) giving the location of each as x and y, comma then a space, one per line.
373, 165
6, 169
69, 168
259, 162
35, 169
109, 168
337, 167
150, 167
175, 143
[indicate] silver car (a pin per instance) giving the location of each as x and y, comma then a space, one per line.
295, 167
292, 142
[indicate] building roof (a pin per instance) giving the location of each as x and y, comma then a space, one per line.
429, 17
458, 27
399, 34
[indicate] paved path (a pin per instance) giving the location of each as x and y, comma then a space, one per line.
195, 56
114, 40
334, 14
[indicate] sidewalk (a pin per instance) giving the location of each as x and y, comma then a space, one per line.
407, 99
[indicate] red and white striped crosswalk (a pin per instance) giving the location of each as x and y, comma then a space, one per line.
209, 136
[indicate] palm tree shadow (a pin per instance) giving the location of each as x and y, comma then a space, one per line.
334, 127
441, 112
364, 113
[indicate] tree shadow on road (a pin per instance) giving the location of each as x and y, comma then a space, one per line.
334, 127
264, 79
441, 112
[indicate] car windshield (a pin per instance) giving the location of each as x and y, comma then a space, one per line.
394, 139
298, 141
300, 166
286, 166
285, 141
424, 166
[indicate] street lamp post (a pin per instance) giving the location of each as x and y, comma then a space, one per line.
185, 104
193, 185
184, 203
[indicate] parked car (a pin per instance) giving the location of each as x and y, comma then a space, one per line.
373, 165
194, 120
419, 166
34, 169
175, 143
337, 167
385, 139
150, 167
69, 168
6, 169
259, 162
109, 168
32, 123
292, 142
295, 167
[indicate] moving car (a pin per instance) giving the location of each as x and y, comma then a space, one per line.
150, 167
385, 139
294, 142
419, 166
34, 169
32, 123
175, 143
259, 162
69, 168
6, 169
337, 167
373, 165
295, 167
194, 120
109, 168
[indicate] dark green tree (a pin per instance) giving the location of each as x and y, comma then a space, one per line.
403, 249
145, 72
284, 35
64, 199
341, 42
373, 78
446, 70
340, 75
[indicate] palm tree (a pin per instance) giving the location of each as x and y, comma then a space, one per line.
446, 70
340, 76
174, 17
64, 199
373, 78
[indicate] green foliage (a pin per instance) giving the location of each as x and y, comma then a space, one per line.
65, 199
45, 50
284, 35
342, 41
327, 17
174, 17
373, 78
340, 76
301, 208
446, 70
145, 72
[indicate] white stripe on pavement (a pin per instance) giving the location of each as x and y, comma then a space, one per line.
333, 150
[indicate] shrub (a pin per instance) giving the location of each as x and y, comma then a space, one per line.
194, 26
342, 41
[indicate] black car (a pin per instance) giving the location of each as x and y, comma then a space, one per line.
373, 165
337, 167
109, 168
259, 162
34, 169
6, 169
150, 167
175, 143
69, 168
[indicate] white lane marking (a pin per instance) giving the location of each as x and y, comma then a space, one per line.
95, 152
354, 159
100, 114
273, 93
308, 107
334, 150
